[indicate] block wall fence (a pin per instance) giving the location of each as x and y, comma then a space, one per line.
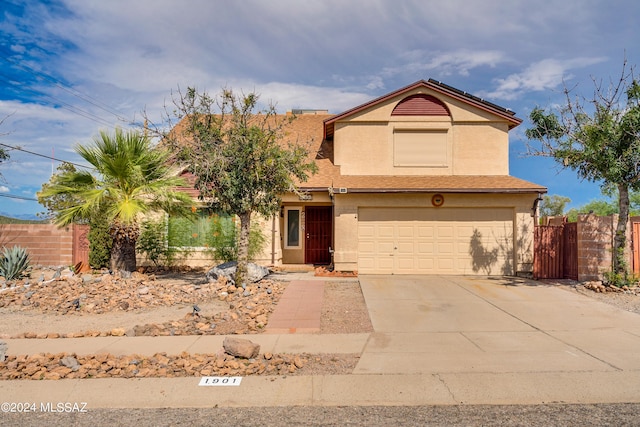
47, 244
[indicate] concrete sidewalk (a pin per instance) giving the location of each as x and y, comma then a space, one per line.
437, 340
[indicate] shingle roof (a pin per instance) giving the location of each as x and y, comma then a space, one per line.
309, 129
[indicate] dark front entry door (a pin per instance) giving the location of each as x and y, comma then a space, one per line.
318, 226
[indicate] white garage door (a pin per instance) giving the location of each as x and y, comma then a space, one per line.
435, 241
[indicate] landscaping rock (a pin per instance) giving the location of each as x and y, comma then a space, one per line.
239, 347
3, 351
48, 366
255, 272
70, 362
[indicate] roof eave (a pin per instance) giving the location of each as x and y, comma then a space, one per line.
448, 190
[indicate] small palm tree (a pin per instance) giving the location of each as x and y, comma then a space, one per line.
134, 179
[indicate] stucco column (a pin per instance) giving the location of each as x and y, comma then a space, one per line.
345, 257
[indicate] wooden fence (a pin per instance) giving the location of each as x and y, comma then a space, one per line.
556, 251
582, 250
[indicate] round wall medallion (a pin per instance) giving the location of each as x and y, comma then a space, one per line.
437, 200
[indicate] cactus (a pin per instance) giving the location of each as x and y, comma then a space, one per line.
13, 262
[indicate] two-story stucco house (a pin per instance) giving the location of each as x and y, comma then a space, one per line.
414, 182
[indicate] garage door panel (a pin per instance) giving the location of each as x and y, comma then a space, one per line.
445, 248
425, 232
445, 265
366, 230
425, 248
435, 240
425, 264
467, 230
405, 248
445, 231
385, 231
405, 263
405, 231
385, 264
385, 248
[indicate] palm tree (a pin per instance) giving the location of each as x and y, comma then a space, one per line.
133, 179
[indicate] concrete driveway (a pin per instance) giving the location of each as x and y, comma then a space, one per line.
500, 336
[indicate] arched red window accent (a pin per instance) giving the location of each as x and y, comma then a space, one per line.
420, 105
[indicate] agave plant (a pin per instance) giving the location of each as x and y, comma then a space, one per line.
13, 262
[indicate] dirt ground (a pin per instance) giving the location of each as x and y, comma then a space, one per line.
43, 306
171, 297
344, 308
163, 304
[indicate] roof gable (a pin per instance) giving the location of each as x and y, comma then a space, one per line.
420, 105
435, 86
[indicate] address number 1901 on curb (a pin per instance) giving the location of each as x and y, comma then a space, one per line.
220, 381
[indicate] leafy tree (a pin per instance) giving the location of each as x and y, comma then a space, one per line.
598, 207
634, 202
134, 178
605, 207
56, 202
599, 138
237, 155
553, 205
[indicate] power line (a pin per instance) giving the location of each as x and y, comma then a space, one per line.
12, 196
46, 157
86, 98
67, 106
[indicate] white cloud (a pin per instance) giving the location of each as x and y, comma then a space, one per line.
4, 189
327, 54
544, 75
457, 62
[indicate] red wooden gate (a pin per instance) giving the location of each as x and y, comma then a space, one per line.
547, 248
80, 250
556, 251
570, 251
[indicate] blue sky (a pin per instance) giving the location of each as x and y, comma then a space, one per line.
70, 68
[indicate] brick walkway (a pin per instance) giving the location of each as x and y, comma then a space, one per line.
299, 308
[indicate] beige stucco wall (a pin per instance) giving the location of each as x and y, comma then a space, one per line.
481, 149
478, 141
346, 220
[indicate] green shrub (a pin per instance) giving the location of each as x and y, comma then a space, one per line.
222, 240
153, 241
180, 240
14, 262
100, 242
620, 279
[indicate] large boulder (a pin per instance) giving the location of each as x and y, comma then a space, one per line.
240, 347
227, 270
